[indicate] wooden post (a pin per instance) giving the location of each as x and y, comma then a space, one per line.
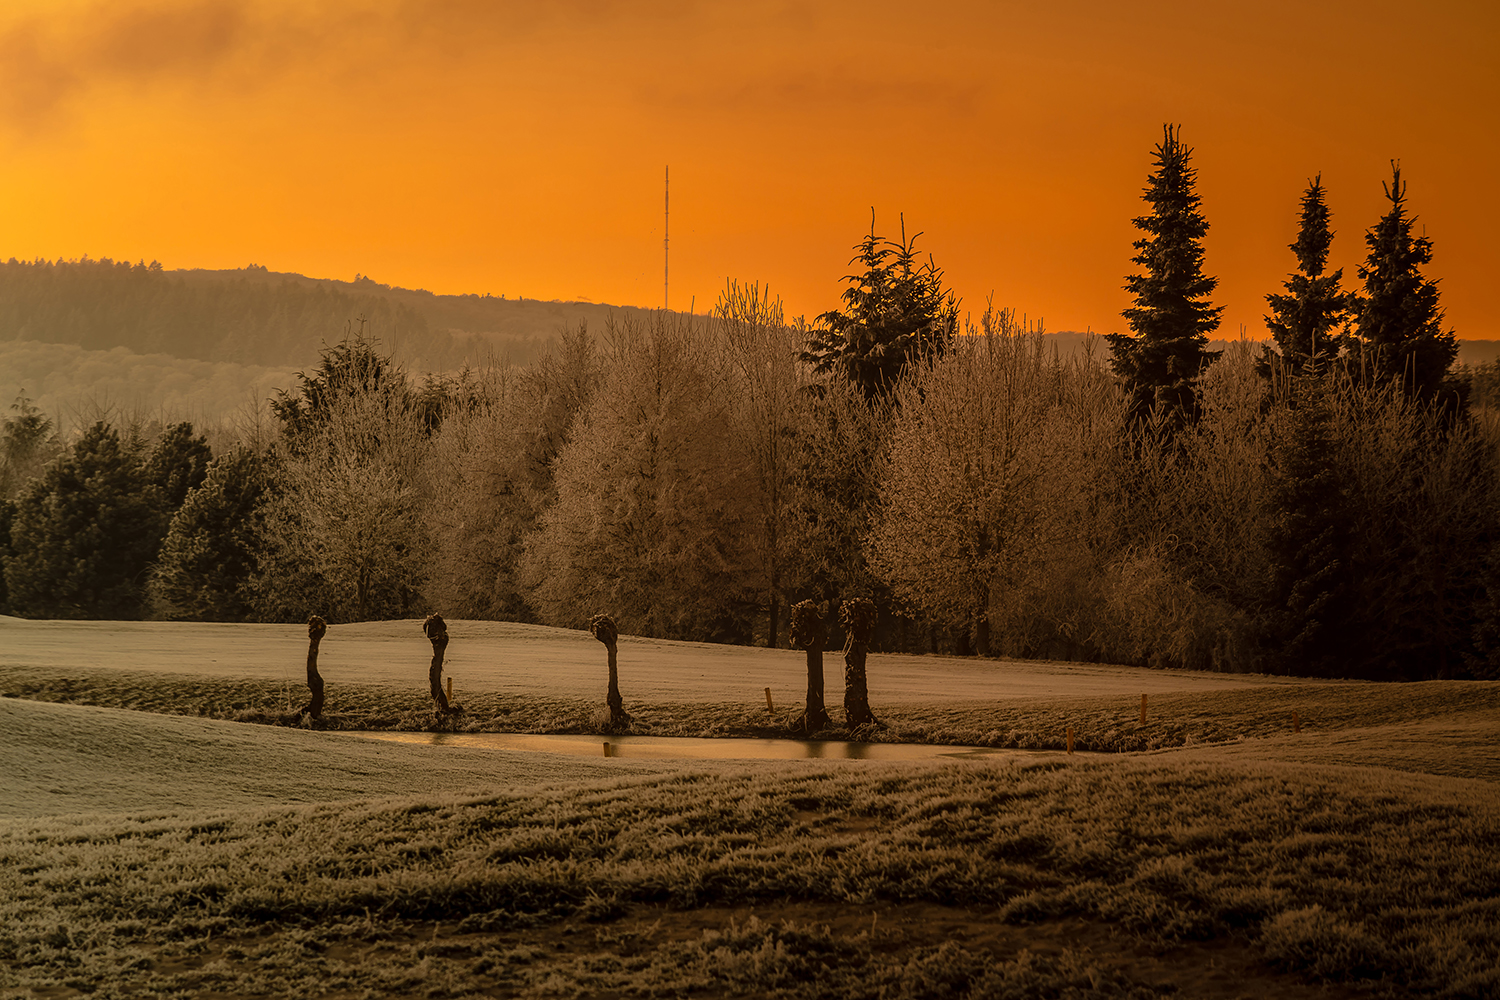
1143, 710
1296, 722
606, 750
1070, 739
769, 707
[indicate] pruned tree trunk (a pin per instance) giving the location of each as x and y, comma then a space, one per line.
437, 633
858, 618
810, 634
316, 629
602, 627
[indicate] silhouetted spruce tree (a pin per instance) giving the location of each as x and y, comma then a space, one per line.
1172, 316
895, 310
1309, 614
1401, 336
85, 532
1305, 322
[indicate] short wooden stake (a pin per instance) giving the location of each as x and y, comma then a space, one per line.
1296, 722
1070, 739
606, 751
769, 707
450, 690
1143, 710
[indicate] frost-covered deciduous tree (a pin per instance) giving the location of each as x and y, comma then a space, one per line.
988, 473
769, 410
651, 508
491, 469
342, 531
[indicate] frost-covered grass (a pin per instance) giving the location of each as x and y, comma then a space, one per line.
1232, 857
1386, 882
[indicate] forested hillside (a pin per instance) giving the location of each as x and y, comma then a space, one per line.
257, 317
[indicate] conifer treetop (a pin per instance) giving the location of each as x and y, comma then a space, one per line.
1172, 315
1401, 323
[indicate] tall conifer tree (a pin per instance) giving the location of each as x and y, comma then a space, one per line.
1306, 320
1172, 316
1400, 327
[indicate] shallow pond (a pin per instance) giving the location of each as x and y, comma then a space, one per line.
680, 747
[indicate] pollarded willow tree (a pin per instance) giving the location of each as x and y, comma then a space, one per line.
652, 498
989, 474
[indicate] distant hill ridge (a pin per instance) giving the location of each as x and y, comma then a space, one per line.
255, 316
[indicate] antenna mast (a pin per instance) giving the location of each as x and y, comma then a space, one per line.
666, 212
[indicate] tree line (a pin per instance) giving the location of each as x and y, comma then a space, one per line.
1327, 508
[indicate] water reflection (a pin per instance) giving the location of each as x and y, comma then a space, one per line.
684, 747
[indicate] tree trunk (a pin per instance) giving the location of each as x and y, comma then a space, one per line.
437, 632
316, 629
809, 633
982, 636
858, 617
775, 619
603, 628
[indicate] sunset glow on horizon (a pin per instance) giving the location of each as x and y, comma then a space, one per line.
464, 146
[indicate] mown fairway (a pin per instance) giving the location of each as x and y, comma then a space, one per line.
150, 854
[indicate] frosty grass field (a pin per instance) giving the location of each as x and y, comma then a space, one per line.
154, 841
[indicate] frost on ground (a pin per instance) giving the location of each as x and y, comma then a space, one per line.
154, 854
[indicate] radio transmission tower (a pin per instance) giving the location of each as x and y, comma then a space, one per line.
666, 260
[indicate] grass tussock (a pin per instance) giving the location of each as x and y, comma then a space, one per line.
1387, 885
1099, 724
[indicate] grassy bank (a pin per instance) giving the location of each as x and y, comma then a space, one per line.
1386, 883
1099, 724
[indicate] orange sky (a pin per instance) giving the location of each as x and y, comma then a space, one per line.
485, 146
